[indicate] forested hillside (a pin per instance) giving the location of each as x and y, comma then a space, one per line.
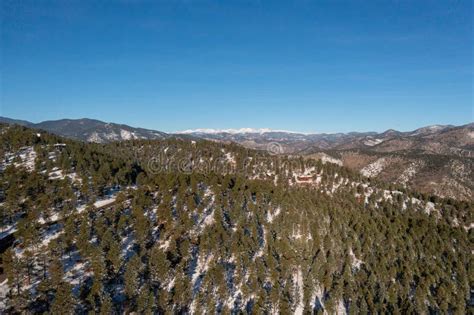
177, 226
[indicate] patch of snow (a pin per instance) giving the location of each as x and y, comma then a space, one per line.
209, 220
94, 137
429, 207
234, 131
127, 246
202, 266
230, 157
356, 262
170, 285
7, 230
340, 308
428, 129
165, 245
125, 134
408, 173
373, 142
296, 234
27, 156
4, 289
317, 301
298, 279
56, 174
271, 216
468, 227
104, 202
111, 136
325, 158
373, 169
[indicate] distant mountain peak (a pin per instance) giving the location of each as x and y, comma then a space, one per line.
91, 130
430, 129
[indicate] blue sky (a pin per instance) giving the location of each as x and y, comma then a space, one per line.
311, 66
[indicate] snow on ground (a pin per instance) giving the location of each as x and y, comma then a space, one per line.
26, 156
235, 297
56, 174
316, 301
337, 184
4, 289
387, 195
126, 135
372, 142
52, 218
296, 234
164, 245
234, 131
329, 159
202, 267
127, 246
429, 207
170, 285
468, 227
262, 247
408, 173
271, 216
209, 219
356, 262
52, 233
318, 179
94, 137
374, 168
340, 308
7, 230
111, 136
104, 202
298, 279
98, 204
75, 270
230, 158
29, 158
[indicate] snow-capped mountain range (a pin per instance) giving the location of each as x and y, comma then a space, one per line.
434, 159
235, 131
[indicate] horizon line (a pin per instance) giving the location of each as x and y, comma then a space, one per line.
243, 129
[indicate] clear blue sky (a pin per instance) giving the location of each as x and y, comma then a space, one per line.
312, 66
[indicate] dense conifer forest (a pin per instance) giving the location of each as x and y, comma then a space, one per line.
182, 226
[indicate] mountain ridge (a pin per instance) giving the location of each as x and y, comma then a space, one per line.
435, 159
90, 130
243, 130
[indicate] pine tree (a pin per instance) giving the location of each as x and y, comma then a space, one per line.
159, 265
63, 302
13, 273
56, 272
106, 307
131, 276
114, 256
82, 238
